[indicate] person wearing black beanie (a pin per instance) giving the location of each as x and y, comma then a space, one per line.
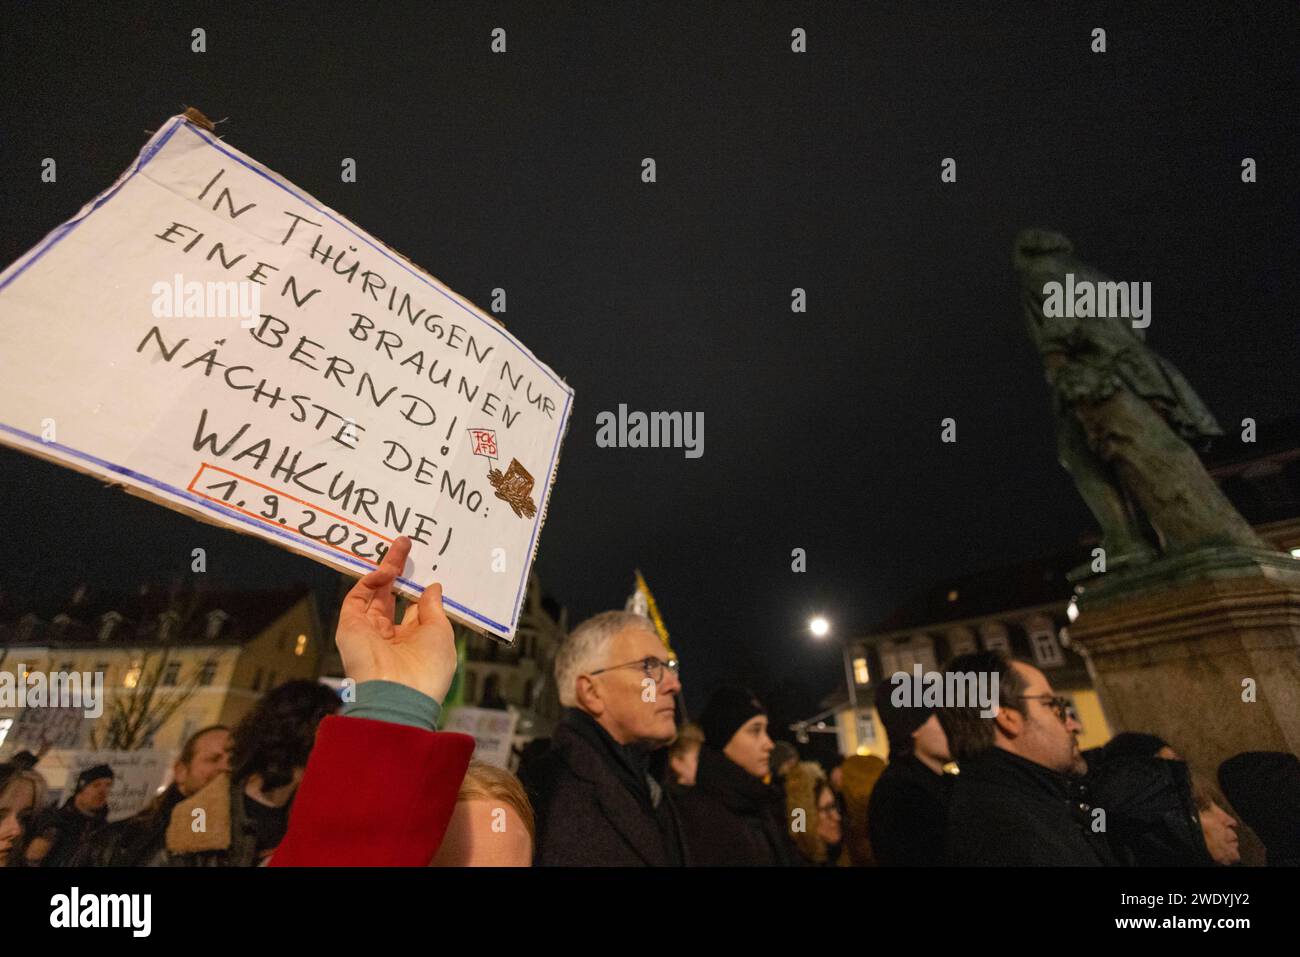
909, 804
62, 832
729, 818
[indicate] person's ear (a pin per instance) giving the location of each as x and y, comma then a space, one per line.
179, 772
1010, 722
588, 694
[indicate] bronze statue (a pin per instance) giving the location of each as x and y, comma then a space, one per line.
1127, 420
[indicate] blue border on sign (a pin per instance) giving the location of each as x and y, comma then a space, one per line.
146, 155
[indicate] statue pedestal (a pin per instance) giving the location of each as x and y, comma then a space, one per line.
1171, 645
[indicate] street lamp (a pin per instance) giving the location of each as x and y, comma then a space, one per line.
820, 628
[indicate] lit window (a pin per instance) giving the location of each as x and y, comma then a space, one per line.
132, 676
1295, 553
172, 674
301, 646
860, 672
207, 673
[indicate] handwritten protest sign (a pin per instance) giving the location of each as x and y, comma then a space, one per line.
209, 336
36, 728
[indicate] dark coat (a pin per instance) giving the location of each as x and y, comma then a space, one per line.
1008, 811
729, 818
1151, 817
135, 841
69, 831
908, 814
595, 804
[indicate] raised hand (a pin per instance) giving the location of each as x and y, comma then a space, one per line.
419, 653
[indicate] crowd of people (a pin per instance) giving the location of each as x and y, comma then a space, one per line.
309, 780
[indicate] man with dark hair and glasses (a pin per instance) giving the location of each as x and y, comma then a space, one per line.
597, 802
1019, 799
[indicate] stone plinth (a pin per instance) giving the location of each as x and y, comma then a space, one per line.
1171, 644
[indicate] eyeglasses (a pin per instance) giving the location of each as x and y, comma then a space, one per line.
650, 666
1064, 710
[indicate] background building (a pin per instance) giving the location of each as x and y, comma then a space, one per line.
172, 661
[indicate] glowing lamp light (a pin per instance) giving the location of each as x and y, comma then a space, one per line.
820, 627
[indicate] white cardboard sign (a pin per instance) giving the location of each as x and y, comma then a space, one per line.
493, 732
137, 775
209, 336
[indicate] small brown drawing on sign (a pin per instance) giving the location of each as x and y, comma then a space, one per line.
515, 488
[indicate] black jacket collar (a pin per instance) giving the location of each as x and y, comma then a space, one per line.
735, 787
629, 762
999, 766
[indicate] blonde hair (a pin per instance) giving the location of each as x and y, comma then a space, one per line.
488, 782
38, 785
801, 787
689, 737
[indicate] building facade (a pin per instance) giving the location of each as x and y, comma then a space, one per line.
171, 663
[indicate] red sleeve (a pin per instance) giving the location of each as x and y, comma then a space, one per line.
375, 794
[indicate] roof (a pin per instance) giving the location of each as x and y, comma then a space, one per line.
78, 619
1023, 585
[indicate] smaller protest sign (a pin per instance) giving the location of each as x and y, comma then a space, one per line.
137, 776
493, 732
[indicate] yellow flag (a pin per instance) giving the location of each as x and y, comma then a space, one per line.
644, 602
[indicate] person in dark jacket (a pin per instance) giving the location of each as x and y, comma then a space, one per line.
597, 801
1146, 792
62, 832
1018, 800
1131, 744
730, 816
140, 838
909, 804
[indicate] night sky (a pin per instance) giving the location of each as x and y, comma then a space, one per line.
775, 170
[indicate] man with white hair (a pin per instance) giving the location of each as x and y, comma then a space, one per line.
597, 803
